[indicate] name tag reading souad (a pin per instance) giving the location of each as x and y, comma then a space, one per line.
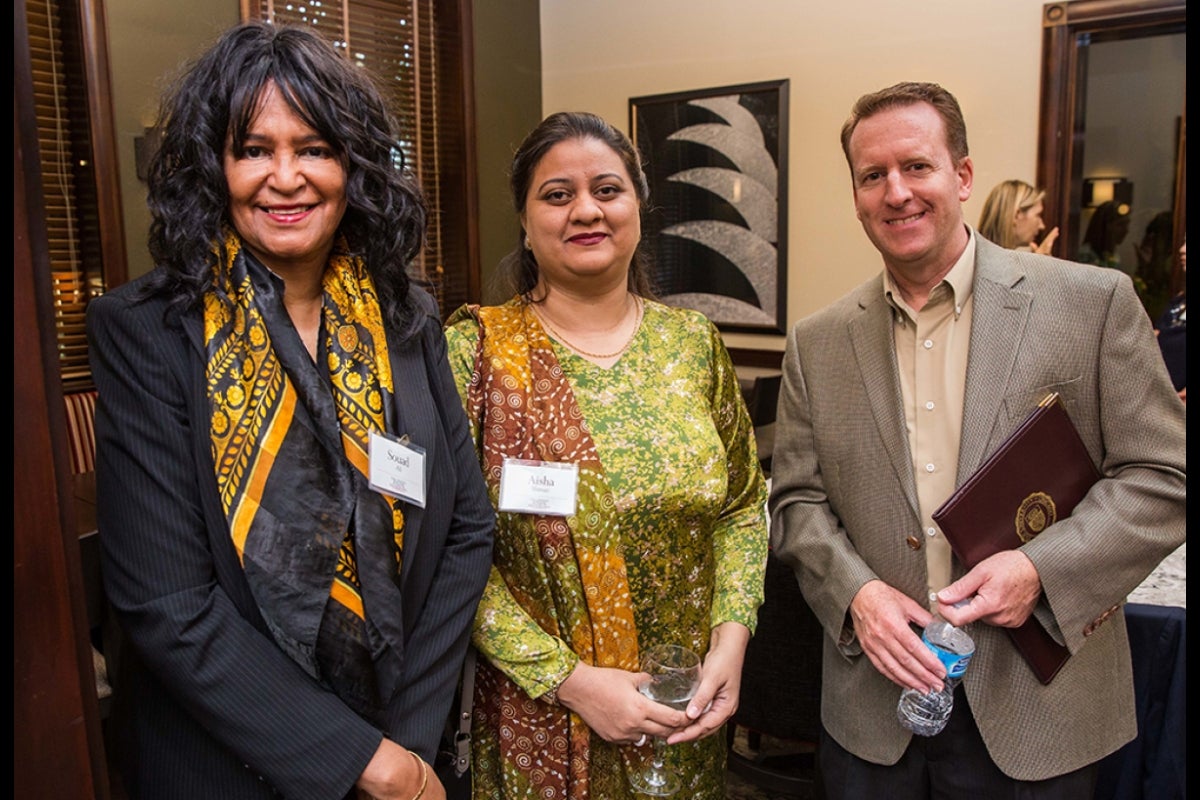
397, 468
538, 487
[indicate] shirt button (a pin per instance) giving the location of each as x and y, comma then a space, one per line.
929, 406
914, 543
931, 531
928, 343
933, 597
929, 467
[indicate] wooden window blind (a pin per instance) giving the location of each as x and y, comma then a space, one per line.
68, 174
414, 49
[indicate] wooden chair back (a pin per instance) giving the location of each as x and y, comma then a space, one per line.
81, 431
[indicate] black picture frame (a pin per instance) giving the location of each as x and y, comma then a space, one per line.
716, 228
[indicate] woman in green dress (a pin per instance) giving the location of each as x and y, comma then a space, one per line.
621, 459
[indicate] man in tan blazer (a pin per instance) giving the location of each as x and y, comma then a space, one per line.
892, 396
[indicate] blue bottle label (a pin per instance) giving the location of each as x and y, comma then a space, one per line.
955, 663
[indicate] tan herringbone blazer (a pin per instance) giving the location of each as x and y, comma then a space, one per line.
844, 500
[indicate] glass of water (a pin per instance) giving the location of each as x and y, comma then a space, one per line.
674, 676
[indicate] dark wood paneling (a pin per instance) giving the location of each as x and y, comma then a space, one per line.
57, 747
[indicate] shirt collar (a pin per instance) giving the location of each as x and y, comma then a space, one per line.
958, 282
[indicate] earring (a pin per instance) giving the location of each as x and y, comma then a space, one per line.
528, 246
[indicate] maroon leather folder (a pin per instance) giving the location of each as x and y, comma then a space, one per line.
1035, 478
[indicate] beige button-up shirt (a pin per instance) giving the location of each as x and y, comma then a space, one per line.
932, 346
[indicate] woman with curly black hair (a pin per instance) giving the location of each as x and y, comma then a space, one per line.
295, 529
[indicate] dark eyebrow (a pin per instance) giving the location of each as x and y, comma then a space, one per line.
313, 137
546, 183
601, 177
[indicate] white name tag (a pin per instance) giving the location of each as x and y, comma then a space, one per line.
397, 468
538, 487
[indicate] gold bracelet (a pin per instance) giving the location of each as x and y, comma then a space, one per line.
424, 775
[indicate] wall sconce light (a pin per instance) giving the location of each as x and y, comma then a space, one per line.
1097, 191
144, 148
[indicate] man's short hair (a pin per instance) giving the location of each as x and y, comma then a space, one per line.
907, 94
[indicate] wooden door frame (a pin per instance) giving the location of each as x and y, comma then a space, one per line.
58, 748
1066, 29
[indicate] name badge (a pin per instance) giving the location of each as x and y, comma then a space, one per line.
397, 468
538, 487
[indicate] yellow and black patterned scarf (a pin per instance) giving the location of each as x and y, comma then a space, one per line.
320, 549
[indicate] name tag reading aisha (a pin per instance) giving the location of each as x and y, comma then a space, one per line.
538, 487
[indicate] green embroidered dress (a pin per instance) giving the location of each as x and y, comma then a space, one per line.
668, 541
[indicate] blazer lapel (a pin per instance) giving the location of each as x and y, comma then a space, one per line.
1000, 315
193, 327
875, 354
416, 417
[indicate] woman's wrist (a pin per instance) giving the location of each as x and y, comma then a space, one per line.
729, 634
565, 694
394, 771
556, 681
423, 768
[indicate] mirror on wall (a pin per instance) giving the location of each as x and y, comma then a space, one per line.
1113, 136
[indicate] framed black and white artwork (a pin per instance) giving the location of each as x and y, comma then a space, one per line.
716, 160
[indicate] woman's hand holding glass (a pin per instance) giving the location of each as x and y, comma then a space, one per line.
720, 683
609, 702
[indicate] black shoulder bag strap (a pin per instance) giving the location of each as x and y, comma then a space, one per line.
462, 735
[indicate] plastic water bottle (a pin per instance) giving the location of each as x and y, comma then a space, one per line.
925, 714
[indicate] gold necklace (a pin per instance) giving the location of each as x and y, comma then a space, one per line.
637, 324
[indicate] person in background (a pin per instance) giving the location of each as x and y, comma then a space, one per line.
582, 376
891, 397
1155, 258
1106, 230
295, 531
1012, 217
1171, 329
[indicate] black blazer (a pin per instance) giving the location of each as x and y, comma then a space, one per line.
206, 705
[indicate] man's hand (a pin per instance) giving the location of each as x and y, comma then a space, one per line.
882, 621
1006, 588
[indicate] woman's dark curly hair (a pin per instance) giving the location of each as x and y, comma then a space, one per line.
519, 269
215, 101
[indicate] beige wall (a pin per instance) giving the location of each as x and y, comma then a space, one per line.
595, 56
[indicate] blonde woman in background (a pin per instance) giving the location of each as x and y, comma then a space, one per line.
1012, 217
